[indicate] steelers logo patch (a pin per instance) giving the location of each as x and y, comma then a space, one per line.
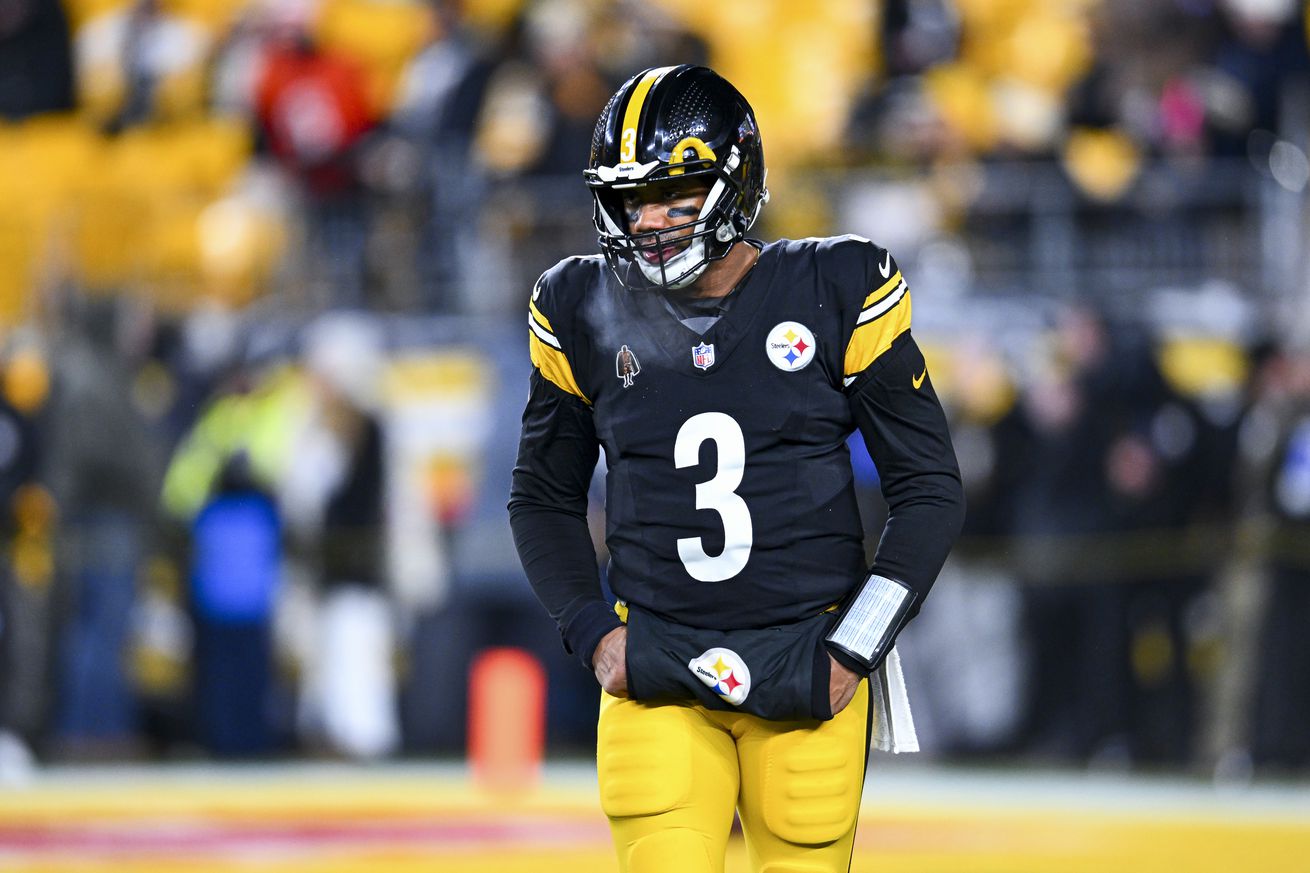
790, 346
724, 672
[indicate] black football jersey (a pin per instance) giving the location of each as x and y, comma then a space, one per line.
729, 498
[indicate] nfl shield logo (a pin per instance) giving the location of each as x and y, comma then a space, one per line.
703, 356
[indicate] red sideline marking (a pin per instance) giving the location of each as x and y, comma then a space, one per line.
174, 836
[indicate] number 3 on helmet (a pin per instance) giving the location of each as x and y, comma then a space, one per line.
669, 123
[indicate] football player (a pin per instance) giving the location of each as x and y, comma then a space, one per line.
722, 376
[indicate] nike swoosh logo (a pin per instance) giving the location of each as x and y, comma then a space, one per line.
886, 266
918, 380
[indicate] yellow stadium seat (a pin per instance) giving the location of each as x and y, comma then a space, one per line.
962, 97
216, 15
1203, 367
770, 55
221, 149
44, 162
1103, 163
79, 12
381, 36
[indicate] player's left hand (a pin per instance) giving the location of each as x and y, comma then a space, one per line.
841, 685
610, 662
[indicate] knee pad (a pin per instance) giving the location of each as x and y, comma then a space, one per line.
812, 785
643, 760
677, 849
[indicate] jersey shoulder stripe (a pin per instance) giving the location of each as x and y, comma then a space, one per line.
540, 326
881, 295
554, 366
883, 301
550, 312
875, 336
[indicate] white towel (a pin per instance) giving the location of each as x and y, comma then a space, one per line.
893, 725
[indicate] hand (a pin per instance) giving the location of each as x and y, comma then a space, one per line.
841, 685
610, 662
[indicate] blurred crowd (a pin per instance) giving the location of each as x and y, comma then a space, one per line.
262, 270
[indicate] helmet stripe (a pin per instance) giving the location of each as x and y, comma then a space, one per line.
632, 115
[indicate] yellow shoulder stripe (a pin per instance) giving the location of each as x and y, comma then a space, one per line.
883, 290
872, 338
541, 319
554, 366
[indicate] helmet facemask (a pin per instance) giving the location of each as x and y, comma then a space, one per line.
696, 244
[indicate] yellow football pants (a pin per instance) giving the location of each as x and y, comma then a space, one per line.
671, 774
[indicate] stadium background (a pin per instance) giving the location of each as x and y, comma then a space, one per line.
262, 275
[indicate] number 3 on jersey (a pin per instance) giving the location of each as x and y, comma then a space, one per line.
718, 494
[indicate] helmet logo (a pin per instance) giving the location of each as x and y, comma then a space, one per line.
692, 144
626, 366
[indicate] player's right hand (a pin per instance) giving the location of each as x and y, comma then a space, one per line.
610, 662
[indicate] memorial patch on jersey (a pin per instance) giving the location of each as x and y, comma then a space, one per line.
884, 316
626, 365
703, 356
724, 672
790, 346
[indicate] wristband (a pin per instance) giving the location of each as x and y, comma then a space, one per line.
868, 624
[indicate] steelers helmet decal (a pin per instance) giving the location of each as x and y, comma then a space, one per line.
668, 123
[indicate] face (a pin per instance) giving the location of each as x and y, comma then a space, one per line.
664, 206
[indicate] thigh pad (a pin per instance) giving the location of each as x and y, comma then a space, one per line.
643, 755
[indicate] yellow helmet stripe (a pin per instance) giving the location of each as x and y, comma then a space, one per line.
632, 115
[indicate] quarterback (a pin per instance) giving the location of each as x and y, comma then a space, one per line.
721, 376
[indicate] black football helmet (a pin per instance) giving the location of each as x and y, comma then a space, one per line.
669, 123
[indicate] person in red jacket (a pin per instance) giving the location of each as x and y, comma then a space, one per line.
313, 114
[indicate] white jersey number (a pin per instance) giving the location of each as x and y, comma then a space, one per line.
718, 494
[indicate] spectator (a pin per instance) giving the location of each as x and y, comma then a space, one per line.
350, 693
437, 110
104, 468
235, 570
36, 67
1279, 740
313, 113
26, 519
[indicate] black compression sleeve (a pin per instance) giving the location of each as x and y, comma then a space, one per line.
548, 515
904, 427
